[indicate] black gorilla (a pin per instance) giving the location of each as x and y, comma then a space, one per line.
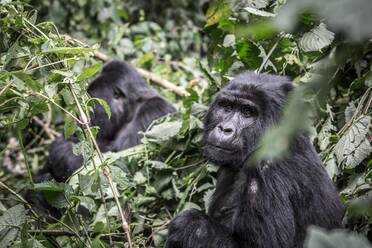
270, 204
133, 107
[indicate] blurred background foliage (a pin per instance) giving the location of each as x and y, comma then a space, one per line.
51, 49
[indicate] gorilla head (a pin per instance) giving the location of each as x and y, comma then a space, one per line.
240, 114
124, 90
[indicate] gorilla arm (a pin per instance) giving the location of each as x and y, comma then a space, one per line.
62, 162
193, 229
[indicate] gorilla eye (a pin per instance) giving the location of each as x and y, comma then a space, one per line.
226, 106
247, 111
118, 94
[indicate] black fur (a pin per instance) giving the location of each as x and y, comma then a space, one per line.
133, 105
271, 204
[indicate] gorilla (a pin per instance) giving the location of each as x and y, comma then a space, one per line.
133, 107
258, 204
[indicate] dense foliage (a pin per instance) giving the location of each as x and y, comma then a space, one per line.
44, 74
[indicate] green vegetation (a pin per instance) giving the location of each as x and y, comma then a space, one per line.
49, 51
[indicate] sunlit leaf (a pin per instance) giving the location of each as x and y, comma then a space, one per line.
258, 12
354, 146
10, 224
218, 10
316, 39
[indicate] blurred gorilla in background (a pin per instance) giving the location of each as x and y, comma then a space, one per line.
263, 204
134, 105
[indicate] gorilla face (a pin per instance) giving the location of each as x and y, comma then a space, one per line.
229, 119
240, 114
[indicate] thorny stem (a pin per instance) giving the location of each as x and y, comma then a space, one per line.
106, 171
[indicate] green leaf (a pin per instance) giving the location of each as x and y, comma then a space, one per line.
51, 90
68, 50
325, 134
89, 72
9, 221
164, 132
320, 238
105, 106
354, 146
28, 80
69, 127
87, 203
249, 54
218, 10
316, 39
139, 178
49, 186
30, 243
63, 73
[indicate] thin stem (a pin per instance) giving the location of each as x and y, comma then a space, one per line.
105, 170
19, 197
36, 28
4, 89
268, 56
24, 156
59, 106
50, 64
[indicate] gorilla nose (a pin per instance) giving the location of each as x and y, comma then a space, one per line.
226, 129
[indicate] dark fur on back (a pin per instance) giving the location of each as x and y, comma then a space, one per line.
269, 204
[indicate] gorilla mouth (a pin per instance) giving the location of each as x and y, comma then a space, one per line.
221, 148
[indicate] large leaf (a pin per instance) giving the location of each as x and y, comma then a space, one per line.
10, 224
316, 39
319, 238
164, 132
353, 147
353, 18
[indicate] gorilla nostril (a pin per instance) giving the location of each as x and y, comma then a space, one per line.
228, 130
220, 128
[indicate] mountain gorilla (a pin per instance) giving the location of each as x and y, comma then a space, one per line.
133, 107
270, 204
